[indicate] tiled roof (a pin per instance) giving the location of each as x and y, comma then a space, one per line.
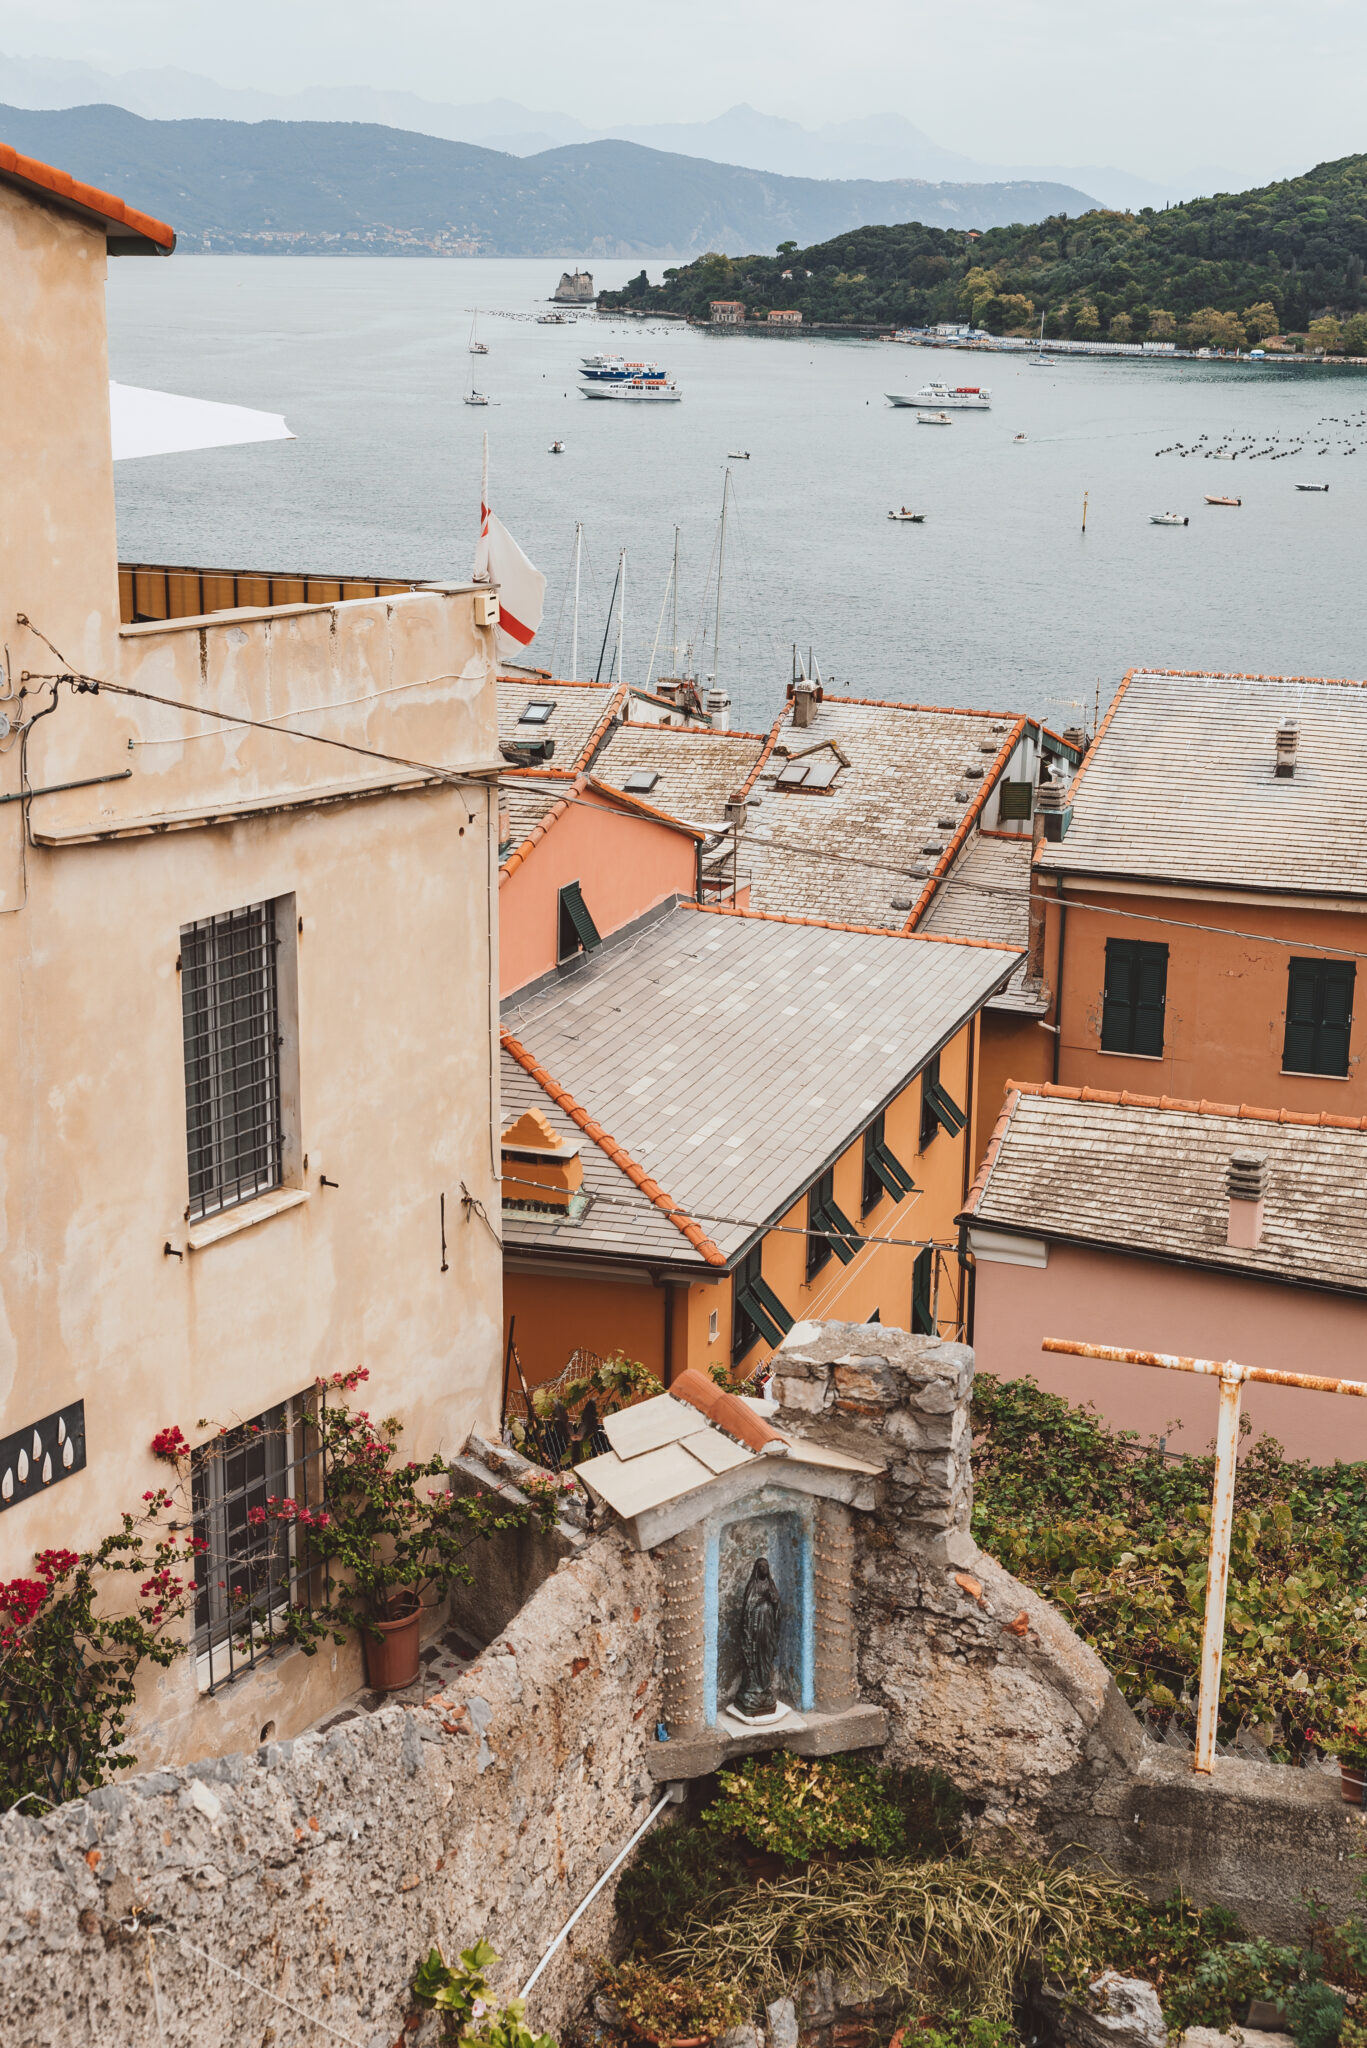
859, 852
698, 769
577, 725
618, 1220
679, 1442
527, 796
985, 895
127, 231
733, 1058
1180, 785
1148, 1175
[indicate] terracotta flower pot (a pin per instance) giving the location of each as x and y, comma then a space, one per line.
1352, 1781
391, 1645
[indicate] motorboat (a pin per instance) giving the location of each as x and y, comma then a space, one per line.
1168, 519
1018, 437
912, 518
1312, 487
661, 391
933, 419
554, 320
557, 448
945, 397
739, 455
1211, 499
617, 370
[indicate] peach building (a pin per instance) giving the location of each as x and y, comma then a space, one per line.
1197, 1228
248, 975
1204, 890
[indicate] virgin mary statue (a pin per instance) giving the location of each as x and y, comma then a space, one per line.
760, 1615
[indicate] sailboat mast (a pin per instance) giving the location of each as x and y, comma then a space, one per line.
674, 616
574, 641
621, 611
721, 563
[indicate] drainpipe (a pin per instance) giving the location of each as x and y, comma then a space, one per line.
1058, 979
1034, 951
667, 1356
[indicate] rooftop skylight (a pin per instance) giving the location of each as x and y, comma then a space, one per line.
537, 712
641, 781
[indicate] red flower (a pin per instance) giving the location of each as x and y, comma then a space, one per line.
170, 1444
256, 1516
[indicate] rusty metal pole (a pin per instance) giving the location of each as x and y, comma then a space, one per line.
1217, 1565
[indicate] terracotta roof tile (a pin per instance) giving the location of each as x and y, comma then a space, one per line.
51, 184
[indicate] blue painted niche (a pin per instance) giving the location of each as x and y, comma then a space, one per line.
778, 1526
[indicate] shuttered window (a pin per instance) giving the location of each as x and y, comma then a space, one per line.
1319, 1016
939, 1110
757, 1310
884, 1173
577, 929
1136, 995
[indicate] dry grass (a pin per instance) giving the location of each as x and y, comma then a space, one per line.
964, 1929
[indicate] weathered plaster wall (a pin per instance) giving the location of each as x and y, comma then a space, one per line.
322, 1870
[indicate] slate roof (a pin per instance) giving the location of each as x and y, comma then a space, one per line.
734, 1057
618, 1220
986, 895
1148, 1175
527, 798
576, 725
863, 852
698, 769
534, 801
1180, 785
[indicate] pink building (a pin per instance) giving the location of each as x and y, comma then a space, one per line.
1200, 1228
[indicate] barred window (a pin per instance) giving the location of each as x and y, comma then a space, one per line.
230, 1008
249, 1572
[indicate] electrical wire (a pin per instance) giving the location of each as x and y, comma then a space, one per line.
919, 1244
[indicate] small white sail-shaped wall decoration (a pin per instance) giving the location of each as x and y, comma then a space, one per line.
47, 1468
7, 1486
37, 1447
68, 1454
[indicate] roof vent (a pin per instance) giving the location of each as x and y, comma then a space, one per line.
1247, 1182
1288, 738
804, 703
1053, 807
719, 710
540, 1171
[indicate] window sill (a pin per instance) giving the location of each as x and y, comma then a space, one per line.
229, 1221
1155, 1059
1305, 1074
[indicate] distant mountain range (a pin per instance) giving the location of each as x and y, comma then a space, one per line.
356, 188
877, 146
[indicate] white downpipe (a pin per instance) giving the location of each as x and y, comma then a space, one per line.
584, 1905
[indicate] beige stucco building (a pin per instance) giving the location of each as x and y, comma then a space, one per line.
247, 999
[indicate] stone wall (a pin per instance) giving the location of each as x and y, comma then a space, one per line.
985, 1681
322, 1870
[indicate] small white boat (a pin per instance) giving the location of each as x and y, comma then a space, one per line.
1212, 500
554, 320
1168, 519
1018, 437
1312, 487
477, 347
557, 448
912, 518
476, 398
933, 419
739, 455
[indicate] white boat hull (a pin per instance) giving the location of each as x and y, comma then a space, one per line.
652, 394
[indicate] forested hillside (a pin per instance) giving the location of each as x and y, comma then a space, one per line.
1234, 267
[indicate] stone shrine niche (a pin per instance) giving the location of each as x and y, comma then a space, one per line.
755, 1547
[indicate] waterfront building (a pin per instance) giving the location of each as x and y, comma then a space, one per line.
727, 313
785, 318
248, 865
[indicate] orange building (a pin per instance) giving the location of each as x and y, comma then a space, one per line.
1204, 890
717, 1124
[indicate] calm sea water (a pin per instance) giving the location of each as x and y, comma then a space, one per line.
997, 600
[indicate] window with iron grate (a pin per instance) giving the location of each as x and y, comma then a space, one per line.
229, 985
249, 1573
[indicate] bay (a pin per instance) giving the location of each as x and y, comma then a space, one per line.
999, 600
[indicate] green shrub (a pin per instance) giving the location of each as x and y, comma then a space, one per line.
797, 1809
679, 1874
470, 2013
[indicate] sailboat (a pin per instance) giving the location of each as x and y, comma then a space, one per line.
473, 397
477, 347
1039, 356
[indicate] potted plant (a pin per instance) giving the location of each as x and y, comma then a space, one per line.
390, 1537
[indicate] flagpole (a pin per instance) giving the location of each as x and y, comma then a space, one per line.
483, 509
574, 649
721, 563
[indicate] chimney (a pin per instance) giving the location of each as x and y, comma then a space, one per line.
1051, 803
804, 704
1247, 1186
1034, 954
1288, 737
718, 710
539, 1171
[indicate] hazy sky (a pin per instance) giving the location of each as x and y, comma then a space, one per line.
1247, 83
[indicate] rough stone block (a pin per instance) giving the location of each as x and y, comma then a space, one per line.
781, 2023
807, 1395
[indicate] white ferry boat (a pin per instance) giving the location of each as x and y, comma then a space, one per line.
617, 370
660, 391
945, 397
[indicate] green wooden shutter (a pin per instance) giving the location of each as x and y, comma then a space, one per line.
573, 906
1150, 997
1336, 1015
920, 1294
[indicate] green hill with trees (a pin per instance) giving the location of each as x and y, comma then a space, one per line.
1286, 258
